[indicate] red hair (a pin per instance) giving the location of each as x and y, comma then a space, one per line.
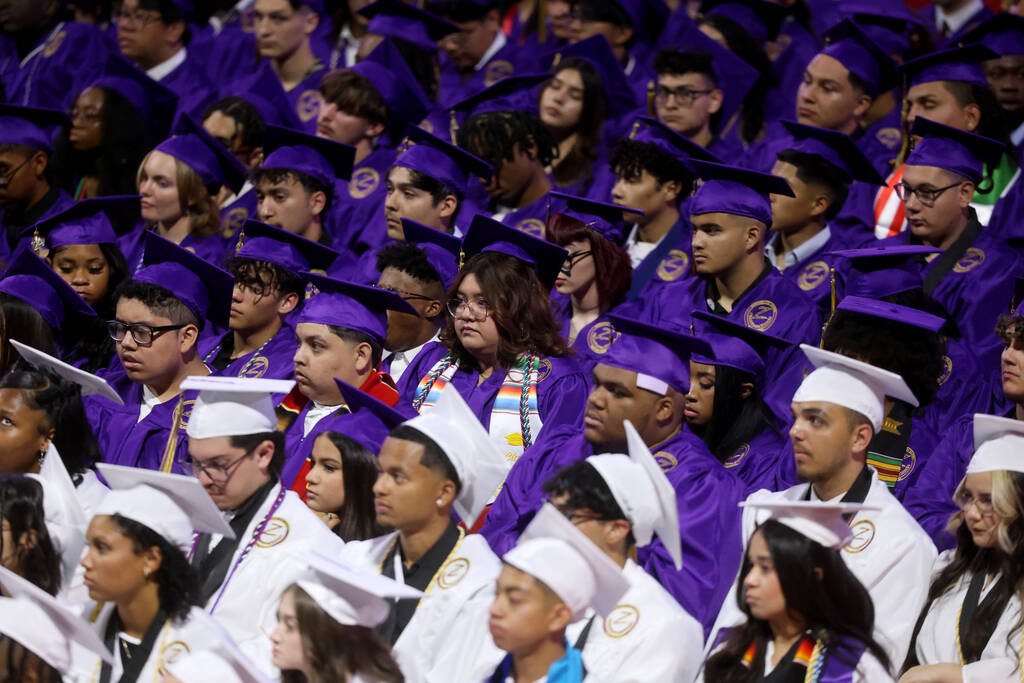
614, 270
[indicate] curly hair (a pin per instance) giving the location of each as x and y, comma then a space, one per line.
614, 272
521, 309
263, 278
178, 585
631, 158
914, 353
495, 137
1010, 329
411, 260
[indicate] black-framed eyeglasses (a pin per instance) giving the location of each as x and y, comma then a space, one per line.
478, 310
925, 195
684, 95
218, 474
573, 258
6, 178
405, 294
142, 333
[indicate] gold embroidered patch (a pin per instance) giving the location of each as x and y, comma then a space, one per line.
947, 369
666, 461
971, 259
601, 337
813, 275
890, 136
497, 70
453, 572
233, 221
274, 533
308, 105
54, 43
257, 367
621, 621
737, 455
531, 226
364, 181
863, 534
909, 463
760, 315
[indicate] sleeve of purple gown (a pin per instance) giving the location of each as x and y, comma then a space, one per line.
930, 499
710, 527
564, 402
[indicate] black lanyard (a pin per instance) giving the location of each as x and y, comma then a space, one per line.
133, 667
969, 610
858, 493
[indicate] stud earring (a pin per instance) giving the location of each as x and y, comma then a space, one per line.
439, 501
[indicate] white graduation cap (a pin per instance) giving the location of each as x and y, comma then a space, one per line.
998, 444
552, 550
172, 505
90, 383
818, 521
219, 658
353, 596
64, 516
233, 406
478, 462
851, 383
44, 624
644, 493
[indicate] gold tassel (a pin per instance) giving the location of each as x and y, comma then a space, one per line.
172, 441
453, 128
650, 98
38, 243
462, 258
542, 13
636, 127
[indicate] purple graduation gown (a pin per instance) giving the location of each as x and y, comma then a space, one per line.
66, 60
305, 98
59, 201
756, 462
193, 87
210, 249
124, 440
812, 274
455, 87
531, 218
669, 261
273, 361
706, 496
228, 55
356, 219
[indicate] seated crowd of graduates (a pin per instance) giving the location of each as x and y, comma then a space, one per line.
468, 340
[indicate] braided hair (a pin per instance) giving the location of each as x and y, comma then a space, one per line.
495, 136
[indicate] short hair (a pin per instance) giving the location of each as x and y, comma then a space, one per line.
19, 149
411, 260
277, 176
1010, 329
249, 442
433, 456
855, 419
246, 116
159, 300
606, 12
495, 135
813, 170
435, 188
357, 337
461, 11
586, 488
262, 276
354, 94
681, 62
169, 14
631, 158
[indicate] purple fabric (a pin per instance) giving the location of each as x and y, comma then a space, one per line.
352, 306
30, 126
31, 280
294, 253
598, 53
953, 149
204, 288
389, 73
273, 361
305, 99
397, 19
356, 218
956, 64
126, 440
65, 60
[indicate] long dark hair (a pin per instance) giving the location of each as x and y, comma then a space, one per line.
178, 586
126, 140
519, 304
61, 402
23, 323
834, 604
579, 162
734, 420
1006, 560
614, 273
359, 471
18, 663
21, 505
738, 40
337, 651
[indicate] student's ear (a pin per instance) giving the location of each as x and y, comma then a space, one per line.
38, 164
670, 191
620, 35
253, 159
754, 234
746, 389
819, 573
715, 100
188, 337
433, 309
966, 194
663, 409
287, 303
820, 205
152, 559
861, 437
448, 205
317, 202
492, 22
310, 21
559, 618
174, 33
363, 356
616, 531
864, 102
445, 493
375, 129
264, 454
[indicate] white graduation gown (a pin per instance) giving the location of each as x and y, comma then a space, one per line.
247, 608
936, 642
647, 638
447, 638
890, 554
173, 641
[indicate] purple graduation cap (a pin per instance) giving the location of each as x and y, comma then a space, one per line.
659, 356
1003, 34
736, 345
654, 132
515, 93
372, 419
441, 249
735, 77
405, 21
262, 89
354, 307
760, 18
736, 191
600, 216
953, 149
878, 272
449, 165
187, 9
322, 159
296, 254
487, 234
955, 64
598, 53
389, 73
849, 45
888, 24
890, 313
84, 222
836, 149
154, 102
200, 151
204, 288
30, 279
30, 126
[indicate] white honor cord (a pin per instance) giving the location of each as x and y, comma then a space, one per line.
399, 573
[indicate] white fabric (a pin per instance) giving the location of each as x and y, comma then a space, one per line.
65, 518
1017, 136
247, 608
954, 20
822, 522
636, 249
480, 465
496, 45
936, 641
651, 384
890, 555
219, 659
629, 645
317, 412
799, 253
233, 406
89, 383
447, 638
997, 444
161, 70
401, 360
149, 401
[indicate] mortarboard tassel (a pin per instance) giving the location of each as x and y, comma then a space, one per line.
453, 128
650, 98
38, 243
542, 15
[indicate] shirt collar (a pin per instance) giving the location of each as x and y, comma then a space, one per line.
800, 253
407, 355
957, 19
499, 42
160, 71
